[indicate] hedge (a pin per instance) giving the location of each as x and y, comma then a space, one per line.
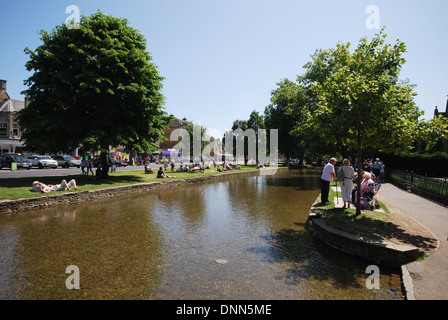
435, 164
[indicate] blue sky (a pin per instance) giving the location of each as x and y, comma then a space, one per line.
221, 59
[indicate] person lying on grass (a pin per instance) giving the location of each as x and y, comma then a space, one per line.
42, 187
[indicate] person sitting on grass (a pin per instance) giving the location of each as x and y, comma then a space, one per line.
181, 169
148, 169
196, 168
238, 167
199, 168
42, 187
227, 167
161, 174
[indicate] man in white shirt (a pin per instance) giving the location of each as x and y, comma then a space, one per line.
328, 175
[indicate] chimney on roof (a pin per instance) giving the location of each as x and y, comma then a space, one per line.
3, 93
2, 85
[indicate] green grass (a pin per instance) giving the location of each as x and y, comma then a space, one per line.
368, 223
16, 188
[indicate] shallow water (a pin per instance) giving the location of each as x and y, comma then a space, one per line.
243, 237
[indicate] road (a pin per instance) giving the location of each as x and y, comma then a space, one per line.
428, 275
48, 172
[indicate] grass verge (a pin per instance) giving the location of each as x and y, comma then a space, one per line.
16, 188
373, 224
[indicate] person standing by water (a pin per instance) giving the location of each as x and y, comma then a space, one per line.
347, 183
328, 175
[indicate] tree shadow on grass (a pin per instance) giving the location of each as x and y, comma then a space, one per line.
393, 230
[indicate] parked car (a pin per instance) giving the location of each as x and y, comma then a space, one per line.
43, 161
96, 161
119, 163
8, 159
67, 161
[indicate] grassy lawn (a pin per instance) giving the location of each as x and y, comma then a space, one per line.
369, 223
16, 188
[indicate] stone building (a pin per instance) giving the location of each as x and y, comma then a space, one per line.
10, 133
166, 146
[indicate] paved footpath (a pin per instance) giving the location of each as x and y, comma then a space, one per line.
430, 276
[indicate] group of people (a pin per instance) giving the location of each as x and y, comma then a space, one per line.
377, 168
349, 193
86, 164
191, 168
228, 167
44, 188
182, 168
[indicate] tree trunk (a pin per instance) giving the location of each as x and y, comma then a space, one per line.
358, 192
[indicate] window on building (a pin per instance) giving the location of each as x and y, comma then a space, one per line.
3, 129
15, 129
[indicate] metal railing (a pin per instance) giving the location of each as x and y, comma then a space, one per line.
438, 187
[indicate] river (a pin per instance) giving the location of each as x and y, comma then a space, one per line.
239, 237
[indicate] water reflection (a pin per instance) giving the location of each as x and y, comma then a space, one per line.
116, 252
242, 237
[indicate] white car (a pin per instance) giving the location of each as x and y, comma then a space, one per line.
43, 162
67, 161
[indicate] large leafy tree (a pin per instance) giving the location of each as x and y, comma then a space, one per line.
248, 137
94, 86
360, 102
286, 112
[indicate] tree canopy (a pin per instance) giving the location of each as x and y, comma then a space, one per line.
246, 139
360, 101
94, 86
285, 113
